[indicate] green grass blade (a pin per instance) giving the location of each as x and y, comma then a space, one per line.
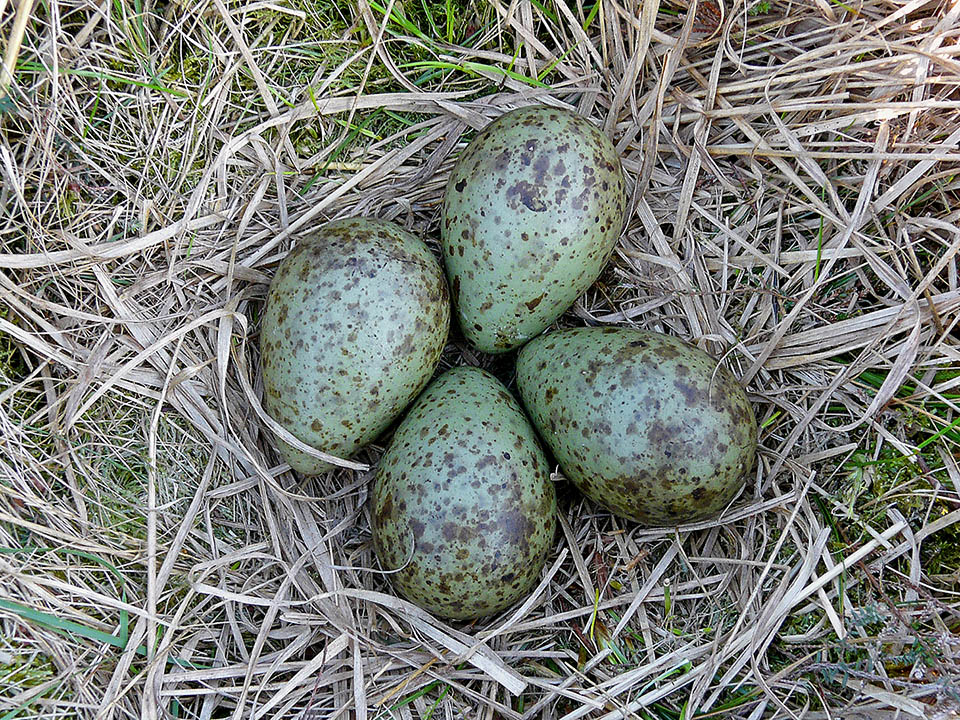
591, 15
26, 703
433, 25
443, 694
940, 433
66, 627
546, 11
476, 69
66, 551
107, 77
413, 696
403, 23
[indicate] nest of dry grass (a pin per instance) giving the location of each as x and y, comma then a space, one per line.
794, 174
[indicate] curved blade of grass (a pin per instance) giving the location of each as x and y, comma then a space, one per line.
404, 23
100, 75
429, 15
38, 692
66, 551
124, 615
476, 69
68, 627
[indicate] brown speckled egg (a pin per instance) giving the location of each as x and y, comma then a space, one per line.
463, 507
642, 423
531, 213
356, 318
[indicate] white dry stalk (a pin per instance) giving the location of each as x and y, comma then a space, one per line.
14, 42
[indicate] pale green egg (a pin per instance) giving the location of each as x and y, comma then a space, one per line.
643, 424
463, 507
356, 318
531, 214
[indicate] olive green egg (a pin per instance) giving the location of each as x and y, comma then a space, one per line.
355, 321
649, 427
531, 214
463, 509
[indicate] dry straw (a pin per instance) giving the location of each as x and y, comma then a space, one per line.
794, 176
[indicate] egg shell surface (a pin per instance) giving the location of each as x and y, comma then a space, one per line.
462, 503
355, 321
642, 423
531, 213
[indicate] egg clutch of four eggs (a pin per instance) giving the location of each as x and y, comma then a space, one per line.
462, 506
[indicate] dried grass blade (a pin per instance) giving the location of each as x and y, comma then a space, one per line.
483, 658
659, 569
901, 369
327, 655
13, 45
359, 684
674, 56
853, 224
901, 702
109, 250
915, 173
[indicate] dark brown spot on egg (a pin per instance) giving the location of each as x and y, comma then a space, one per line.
690, 393
386, 510
532, 304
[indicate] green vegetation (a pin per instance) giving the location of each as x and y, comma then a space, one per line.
113, 146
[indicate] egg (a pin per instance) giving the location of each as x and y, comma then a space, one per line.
644, 424
355, 321
463, 508
531, 213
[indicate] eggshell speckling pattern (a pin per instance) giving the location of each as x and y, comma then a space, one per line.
462, 501
642, 423
356, 318
531, 213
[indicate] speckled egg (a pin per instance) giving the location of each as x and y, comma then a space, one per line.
531, 213
644, 424
463, 507
356, 318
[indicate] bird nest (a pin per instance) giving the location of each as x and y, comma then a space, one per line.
793, 181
